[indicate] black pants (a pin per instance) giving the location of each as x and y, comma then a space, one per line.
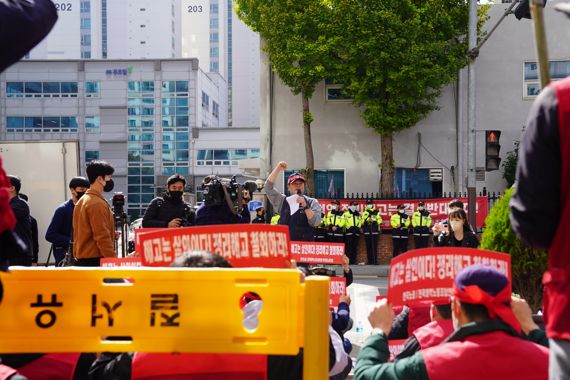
371, 248
24, 261
400, 245
352, 247
92, 262
421, 241
335, 239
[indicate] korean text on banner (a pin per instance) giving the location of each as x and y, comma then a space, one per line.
138, 232
243, 245
337, 286
437, 208
317, 253
428, 274
121, 262
395, 347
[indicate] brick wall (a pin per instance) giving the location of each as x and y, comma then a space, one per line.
384, 248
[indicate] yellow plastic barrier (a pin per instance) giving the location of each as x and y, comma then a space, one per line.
164, 310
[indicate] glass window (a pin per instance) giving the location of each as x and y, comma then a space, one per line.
69, 122
214, 37
168, 110
221, 154
182, 121
182, 155
168, 86
147, 86
147, 111
147, 180
91, 123
91, 155
168, 170
214, 67
214, 23
205, 154
182, 102
181, 86
253, 153
182, 145
14, 89
33, 87
134, 87
214, 52
167, 121
69, 87
34, 122
335, 92
182, 136
182, 111
147, 170
182, 170
91, 87
532, 89
51, 123
134, 156
134, 198
52, 87
14, 122
134, 171
205, 100
214, 8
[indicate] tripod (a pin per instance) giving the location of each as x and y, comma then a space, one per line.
121, 226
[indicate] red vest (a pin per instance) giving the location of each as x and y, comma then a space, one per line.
418, 316
493, 355
557, 278
6, 372
434, 333
51, 367
199, 366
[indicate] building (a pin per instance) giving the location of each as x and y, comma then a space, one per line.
432, 156
143, 116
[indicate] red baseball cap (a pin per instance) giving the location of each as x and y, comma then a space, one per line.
295, 177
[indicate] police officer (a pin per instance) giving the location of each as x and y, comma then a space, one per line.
352, 227
400, 223
421, 223
335, 223
170, 210
275, 219
371, 222
259, 215
321, 230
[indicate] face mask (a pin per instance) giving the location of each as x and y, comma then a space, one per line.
109, 185
352, 208
334, 208
176, 195
369, 207
421, 208
79, 194
402, 211
456, 225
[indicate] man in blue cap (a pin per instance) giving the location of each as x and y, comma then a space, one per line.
487, 343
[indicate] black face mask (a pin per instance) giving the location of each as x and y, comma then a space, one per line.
176, 195
80, 194
109, 185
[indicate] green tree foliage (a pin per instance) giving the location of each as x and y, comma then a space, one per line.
297, 38
528, 264
397, 55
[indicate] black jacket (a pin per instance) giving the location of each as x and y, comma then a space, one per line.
23, 224
162, 210
469, 241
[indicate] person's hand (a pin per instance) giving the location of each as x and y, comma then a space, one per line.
437, 228
344, 298
334, 228
345, 263
117, 235
282, 165
174, 223
382, 316
522, 312
301, 201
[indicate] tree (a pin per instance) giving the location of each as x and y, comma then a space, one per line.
396, 57
527, 263
296, 37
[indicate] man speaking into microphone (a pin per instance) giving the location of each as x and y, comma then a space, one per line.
301, 213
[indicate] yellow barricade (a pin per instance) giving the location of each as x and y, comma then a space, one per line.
164, 310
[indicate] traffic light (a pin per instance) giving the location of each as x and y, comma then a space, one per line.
492, 149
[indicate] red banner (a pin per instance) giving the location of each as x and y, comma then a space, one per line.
141, 230
428, 274
436, 207
316, 253
337, 288
395, 347
121, 262
243, 245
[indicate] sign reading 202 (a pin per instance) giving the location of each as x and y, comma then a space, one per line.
63, 7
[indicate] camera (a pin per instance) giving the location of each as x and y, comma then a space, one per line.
118, 202
218, 191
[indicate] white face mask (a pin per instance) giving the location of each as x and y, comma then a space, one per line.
402, 211
352, 208
456, 225
421, 208
369, 207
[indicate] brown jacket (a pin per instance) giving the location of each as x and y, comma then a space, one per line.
93, 227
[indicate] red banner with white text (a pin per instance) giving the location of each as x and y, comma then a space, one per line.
317, 253
436, 207
243, 245
337, 288
110, 262
428, 274
395, 346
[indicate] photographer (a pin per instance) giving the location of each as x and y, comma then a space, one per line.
170, 210
222, 200
302, 214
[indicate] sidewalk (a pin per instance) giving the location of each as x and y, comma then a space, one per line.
370, 270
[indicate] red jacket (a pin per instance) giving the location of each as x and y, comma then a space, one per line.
433, 333
51, 367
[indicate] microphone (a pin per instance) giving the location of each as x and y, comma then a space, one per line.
300, 194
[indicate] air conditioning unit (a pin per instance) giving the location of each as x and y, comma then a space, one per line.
436, 175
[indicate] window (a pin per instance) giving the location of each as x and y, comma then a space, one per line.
41, 89
214, 23
91, 155
69, 89
215, 109
334, 91
214, 37
224, 157
52, 88
15, 89
531, 83
205, 101
85, 23
91, 124
92, 89
416, 181
214, 52
85, 6
214, 67
41, 124
33, 89
214, 8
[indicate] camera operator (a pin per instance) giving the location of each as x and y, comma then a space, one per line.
222, 201
302, 214
170, 210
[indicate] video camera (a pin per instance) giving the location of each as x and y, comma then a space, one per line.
118, 203
218, 191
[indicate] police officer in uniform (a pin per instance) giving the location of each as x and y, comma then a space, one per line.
321, 230
421, 223
335, 223
400, 223
170, 210
371, 222
275, 219
259, 216
352, 227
